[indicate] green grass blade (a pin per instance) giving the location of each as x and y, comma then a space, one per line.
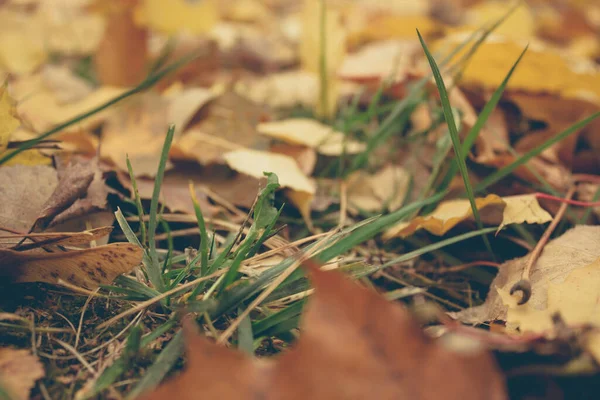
481, 120
245, 335
146, 84
154, 270
203, 233
505, 171
458, 149
138, 201
163, 364
266, 324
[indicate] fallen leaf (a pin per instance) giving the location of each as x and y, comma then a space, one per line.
576, 248
282, 89
305, 157
255, 163
87, 268
385, 189
8, 119
178, 15
229, 124
389, 60
519, 24
386, 26
493, 209
575, 299
19, 370
311, 133
73, 183
382, 353
34, 183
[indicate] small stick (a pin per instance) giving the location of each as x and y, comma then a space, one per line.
524, 285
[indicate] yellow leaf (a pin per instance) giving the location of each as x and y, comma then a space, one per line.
21, 53
311, 133
255, 163
19, 370
8, 119
519, 24
542, 70
193, 17
396, 26
493, 209
575, 299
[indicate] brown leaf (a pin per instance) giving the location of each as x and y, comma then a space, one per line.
19, 369
87, 268
354, 345
17, 183
73, 183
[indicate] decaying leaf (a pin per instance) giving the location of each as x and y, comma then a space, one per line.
8, 120
311, 133
385, 189
19, 370
354, 344
87, 268
34, 183
493, 209
575, 249
178, 15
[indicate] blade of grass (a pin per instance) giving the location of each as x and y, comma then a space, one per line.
154, 270
138, 200
163, 364
203, 232
507, 170
458, 149
481, 121
146, 84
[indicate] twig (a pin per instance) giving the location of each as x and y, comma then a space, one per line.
524, 285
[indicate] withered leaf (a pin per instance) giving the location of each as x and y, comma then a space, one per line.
73, 183
19, 369
354, 345
87, 268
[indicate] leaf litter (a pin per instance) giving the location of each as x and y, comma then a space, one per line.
335, 100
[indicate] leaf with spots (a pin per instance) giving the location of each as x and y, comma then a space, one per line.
353, 344
87, 268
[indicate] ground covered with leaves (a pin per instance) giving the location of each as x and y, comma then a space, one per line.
281, 199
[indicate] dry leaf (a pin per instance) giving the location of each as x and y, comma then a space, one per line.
395, 26
87, 268
178, 15
385, 189
389, 60
229, 124
283, 89
354, 344
313, 134
34, 183
493, 209
19, 370
305, 157
255, 163
575, 249
519, 24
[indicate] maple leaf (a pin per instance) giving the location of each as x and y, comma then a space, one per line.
354, 344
